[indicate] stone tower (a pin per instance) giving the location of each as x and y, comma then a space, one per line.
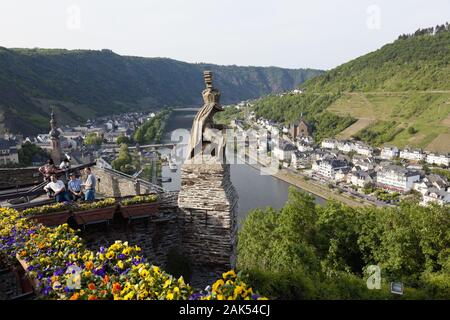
207, 198
56, 143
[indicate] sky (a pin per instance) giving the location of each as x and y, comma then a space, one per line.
285, 33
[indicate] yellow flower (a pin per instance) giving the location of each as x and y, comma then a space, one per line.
87, 273
176, 290
156, 269
220, 297
230, 273
167, 283
143, 272
129, 296
109, 255
120, 265
217, 285
237, 291
169, 296
126, 251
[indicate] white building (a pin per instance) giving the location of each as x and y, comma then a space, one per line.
389, 153
434, 195
363, 149
397, 178
345, 146
413, 155
283, 150
329, 144
360, 178
364, 164
439, 159
299, 160
328, 167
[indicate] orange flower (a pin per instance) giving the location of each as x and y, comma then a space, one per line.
75, 296
104, 292
116, 287
23, 253
106, 279
91, 286
89, 265
92, 298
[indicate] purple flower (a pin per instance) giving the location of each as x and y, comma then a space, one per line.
58, 272
195, 296
102, 249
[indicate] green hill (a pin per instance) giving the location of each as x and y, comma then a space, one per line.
82, 84
399, 94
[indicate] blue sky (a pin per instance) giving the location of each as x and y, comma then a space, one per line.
284, 33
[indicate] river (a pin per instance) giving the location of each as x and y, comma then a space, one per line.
254, 190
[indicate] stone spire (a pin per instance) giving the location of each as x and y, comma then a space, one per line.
54, 133
210, 94
56, 143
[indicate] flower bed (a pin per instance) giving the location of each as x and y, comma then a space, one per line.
94, 212
49, 215
61, 267
139, 206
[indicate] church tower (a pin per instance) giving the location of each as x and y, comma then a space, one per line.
56, 142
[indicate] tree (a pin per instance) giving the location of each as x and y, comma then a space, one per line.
123, 139
123, 161
93, 139
27, 152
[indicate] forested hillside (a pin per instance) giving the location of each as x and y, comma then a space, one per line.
82, 84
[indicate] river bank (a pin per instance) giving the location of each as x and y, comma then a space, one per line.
311, 186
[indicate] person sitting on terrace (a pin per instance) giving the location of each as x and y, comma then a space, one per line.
59, 189
49, 169
74, 187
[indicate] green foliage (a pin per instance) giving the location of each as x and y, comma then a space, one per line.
27, 152
139, 200
441, 172
414, 63
93, 139
123, 162
230, 113
306, 251
123, 139
379, 132
102, 82
152, 130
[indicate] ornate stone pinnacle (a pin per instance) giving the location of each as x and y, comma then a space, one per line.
207, 75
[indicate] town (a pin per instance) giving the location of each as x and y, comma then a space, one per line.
380, 176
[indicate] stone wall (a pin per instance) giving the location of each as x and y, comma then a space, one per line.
156, 235
208, 211
13, 177
116, 184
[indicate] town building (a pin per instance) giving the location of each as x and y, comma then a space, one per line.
434, 195
299, 160
397, 178
328, 167
389, 152
8, 152
438, 159
283, 150
412, 155
329, 144
301, 128
363, 149
360, 178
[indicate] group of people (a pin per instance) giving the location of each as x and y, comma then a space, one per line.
74, 190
